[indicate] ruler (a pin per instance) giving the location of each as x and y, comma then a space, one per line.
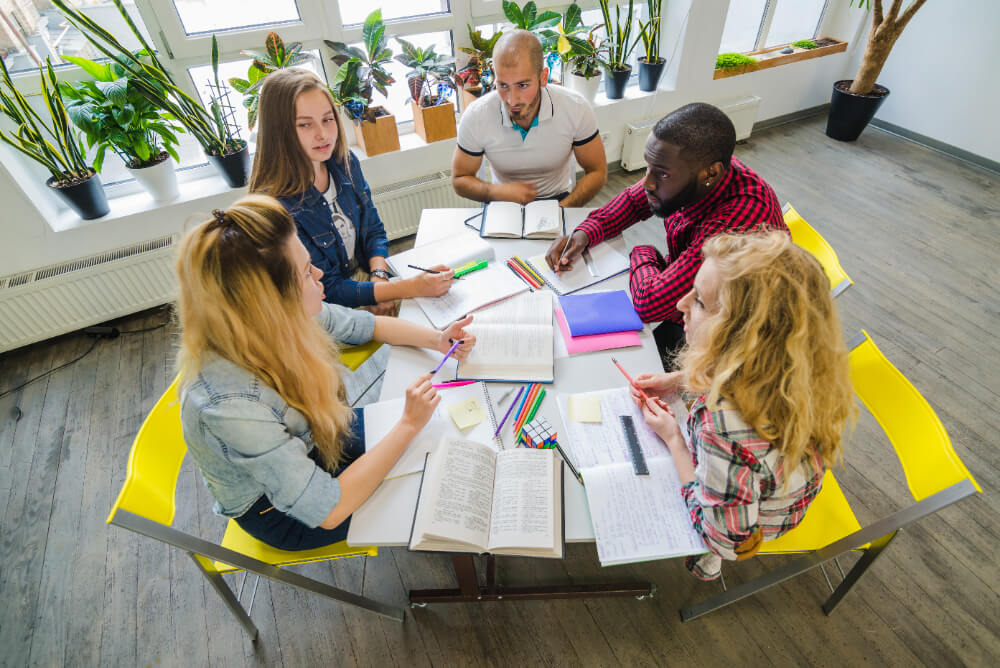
634, 449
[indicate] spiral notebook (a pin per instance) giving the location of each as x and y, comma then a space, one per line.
603, 263
382, 416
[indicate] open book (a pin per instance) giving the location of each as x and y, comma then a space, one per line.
473, 291
513, 341
636, 518
597, 264
541, 219
475, 499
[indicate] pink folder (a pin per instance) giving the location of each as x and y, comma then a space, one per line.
584, 344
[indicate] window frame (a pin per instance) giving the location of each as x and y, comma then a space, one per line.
767, 18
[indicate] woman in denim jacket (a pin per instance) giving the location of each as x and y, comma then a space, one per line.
302, 159
262, 403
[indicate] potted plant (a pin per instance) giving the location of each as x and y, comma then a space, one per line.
476, 78
651, 65
374, 127
563, 42
583, 71
732, 63
113, 114
52, 144
853, 102
617, 48
275, 56
430, 84
212, 130
528, 18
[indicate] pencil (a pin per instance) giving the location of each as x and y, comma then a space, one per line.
509, 409
444, 359
630, 381
431, 271
524, 265
513, 266
572, 468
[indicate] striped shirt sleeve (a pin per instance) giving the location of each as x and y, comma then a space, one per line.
625, 209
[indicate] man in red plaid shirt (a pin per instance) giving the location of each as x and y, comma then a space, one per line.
693, 181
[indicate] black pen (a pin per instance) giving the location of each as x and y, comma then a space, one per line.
430, 271
568, 462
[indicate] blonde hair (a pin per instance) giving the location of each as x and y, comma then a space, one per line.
775, 346
281, 168
241, 299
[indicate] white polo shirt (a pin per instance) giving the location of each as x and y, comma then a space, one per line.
543, 157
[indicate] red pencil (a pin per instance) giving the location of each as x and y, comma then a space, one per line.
520, 272
630, 381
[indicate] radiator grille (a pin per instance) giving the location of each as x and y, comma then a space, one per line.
400, 204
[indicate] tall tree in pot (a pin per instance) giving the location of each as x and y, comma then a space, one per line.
617, 46
854, 101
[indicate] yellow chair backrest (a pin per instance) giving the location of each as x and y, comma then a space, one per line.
804, 235
921, 443
155, 462
355, 356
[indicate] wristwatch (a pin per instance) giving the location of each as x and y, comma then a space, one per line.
381, 273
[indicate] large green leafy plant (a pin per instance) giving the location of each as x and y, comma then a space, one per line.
527, 17
113, 114
361, 71
566, 39
275, 56
429, 73
50, 143
649, 32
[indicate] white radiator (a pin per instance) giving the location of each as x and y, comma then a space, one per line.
400, 204
53, 300
743, 114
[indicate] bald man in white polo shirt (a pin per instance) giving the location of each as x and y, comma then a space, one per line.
528, 131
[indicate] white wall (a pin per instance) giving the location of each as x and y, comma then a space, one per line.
942, 76
693, 30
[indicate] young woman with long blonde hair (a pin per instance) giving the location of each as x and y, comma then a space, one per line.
303, 160
262, 404
766, 361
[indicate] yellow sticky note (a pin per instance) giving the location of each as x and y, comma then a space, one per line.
466, 413
585, 408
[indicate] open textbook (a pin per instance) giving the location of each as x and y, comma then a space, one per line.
513, 341
473, 291
636, 518
381, 418
475, 499
541, 219
597, 264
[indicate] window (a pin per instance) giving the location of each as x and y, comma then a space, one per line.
757, 24
34, 29
353, 12
208, 16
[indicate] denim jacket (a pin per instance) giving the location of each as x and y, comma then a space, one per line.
314, 221
249, 442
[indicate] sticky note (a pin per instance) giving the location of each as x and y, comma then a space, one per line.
466, 413
585, 408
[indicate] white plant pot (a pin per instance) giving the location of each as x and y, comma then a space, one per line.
160, 180
586, 87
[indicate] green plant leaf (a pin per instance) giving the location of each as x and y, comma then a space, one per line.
275, 49
513, 13
98, 71
372, 29
573, 18
99, 157
116, 91
239, 85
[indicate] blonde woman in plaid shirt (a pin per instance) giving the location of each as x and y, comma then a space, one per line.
767, 367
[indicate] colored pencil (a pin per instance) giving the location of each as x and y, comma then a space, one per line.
630, 381
568, 462
523, 276
507, 414
525, 272
444, 359
527, 268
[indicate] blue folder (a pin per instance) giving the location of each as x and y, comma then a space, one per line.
599, 313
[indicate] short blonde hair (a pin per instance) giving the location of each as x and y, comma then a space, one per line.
775, 347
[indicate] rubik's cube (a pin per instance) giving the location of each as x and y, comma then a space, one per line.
537, 434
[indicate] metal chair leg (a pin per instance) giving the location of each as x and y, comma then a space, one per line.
853, 575
227, 596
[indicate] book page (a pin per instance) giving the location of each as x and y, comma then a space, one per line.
605, 262
523, 500
639, 518
543, 219
457, 494
472, 292
503, 219
590, 444
451, 252
514, 340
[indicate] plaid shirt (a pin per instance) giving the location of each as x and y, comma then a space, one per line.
740, 202
740, 484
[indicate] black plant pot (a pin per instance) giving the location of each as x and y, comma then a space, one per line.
649, 74
86, 198
615, 82
850, 113
234, 167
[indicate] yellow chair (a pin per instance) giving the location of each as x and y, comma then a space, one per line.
934, 474
804, 235
354, 356
146, 505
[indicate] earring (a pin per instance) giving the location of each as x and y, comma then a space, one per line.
708, 183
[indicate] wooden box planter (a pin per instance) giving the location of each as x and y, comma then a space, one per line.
773, 57
382, 136
434, 123
469, 96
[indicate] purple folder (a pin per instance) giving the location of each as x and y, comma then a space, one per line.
599, 313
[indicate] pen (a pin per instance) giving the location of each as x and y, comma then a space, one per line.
503, 397
562, 253
453, 383
509, 409
429, 271
454, 346
572, 468
630, 381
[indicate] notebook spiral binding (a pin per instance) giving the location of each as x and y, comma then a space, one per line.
544, 280
491, 412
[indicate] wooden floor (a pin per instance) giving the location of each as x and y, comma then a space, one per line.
917, 231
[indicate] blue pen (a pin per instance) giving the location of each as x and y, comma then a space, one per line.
446, 356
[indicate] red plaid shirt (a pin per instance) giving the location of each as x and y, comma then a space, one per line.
740, 202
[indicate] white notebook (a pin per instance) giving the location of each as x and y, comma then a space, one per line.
636, 518
541, 219
514, 341
472, 291
598, 264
